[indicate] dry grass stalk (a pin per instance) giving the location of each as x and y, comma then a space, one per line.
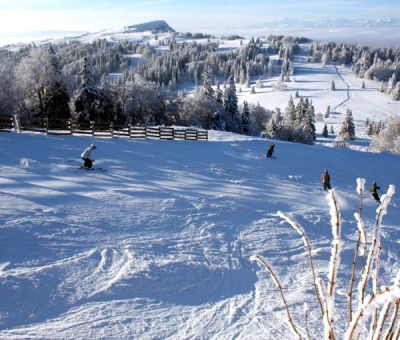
390, 331
381, 322
307, 244
364, 279
352, 278
266, 265
364, 311
335, 221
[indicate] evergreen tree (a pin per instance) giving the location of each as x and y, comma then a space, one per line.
363, 85
289, 115
207, 79
328, 111
396, 92
325, 131
332, 86
392, 83
347, 130
308, 123
92, 103
230, 98
272, 129
245, 118
218, 94
56, 96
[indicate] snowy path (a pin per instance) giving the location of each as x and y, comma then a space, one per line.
347, 89
160, 245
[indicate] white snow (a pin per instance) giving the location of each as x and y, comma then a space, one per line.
159, 245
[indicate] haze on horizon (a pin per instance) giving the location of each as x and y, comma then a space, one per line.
28, 20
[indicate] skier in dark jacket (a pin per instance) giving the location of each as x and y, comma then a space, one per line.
270, 150
374, 191
326, 180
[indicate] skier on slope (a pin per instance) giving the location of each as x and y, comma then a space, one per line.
326, 180
87, 156
374, 191
270, 150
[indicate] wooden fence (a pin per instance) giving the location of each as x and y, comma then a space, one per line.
68, 127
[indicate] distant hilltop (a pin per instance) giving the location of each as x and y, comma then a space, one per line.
158, 26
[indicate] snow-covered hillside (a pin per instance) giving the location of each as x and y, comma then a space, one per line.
159, 245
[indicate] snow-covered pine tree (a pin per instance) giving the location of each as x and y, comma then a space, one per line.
253, 90
259, 84
91, 102
219, 94
392, 83
328, 111
308, 123
363, 85
270, 68
347, 130
260, 116
230, 98
56, 96
325, 131
245, 118
208, 81
289, 114
396, 92
248, 81
332, 131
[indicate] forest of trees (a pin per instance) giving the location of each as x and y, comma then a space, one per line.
72, 80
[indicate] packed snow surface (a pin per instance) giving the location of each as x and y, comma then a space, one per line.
158, 242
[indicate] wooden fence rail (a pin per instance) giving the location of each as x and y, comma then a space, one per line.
68, 127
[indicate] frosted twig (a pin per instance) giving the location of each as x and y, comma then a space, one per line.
334, 261
381, 211
390, 331
381, 322
352, 278
328, 329
276, 280
362, 237
372, 303
307, 245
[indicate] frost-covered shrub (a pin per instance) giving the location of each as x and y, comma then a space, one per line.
389, 138
375, 307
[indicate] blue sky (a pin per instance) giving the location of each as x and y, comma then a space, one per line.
183, 15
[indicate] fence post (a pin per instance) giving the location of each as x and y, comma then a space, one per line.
69, 126
112, 129
46, 125
92, 127
17, 123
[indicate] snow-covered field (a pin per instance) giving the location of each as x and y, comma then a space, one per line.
159, 245
312, 81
